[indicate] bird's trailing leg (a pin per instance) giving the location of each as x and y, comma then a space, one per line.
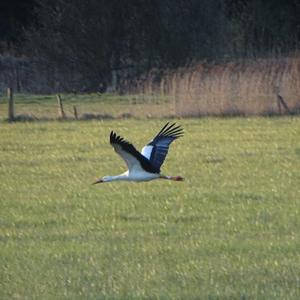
175, 178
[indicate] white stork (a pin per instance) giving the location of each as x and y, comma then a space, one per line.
146, 165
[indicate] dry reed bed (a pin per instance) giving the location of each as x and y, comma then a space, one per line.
234, 88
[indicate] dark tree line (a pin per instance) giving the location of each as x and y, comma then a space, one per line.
84, 40
15, 16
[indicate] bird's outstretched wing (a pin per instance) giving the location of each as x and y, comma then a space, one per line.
133, 158
157, 150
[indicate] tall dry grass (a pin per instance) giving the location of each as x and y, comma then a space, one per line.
246, 87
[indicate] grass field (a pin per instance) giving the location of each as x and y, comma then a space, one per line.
45, 107
229, 231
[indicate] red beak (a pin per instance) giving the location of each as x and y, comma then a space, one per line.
98, 181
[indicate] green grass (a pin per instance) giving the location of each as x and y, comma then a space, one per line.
45, 106
229, 231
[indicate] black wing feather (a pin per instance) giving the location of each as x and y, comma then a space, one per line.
129, 148
161, 143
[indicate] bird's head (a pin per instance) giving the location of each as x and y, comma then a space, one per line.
103, 179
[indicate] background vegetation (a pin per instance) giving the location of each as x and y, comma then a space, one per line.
242, 88
63, 45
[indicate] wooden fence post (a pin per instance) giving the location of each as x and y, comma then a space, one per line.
281, 102
75, 112
10, 96
279, 106
61, 113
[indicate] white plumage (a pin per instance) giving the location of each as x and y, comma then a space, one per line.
146, 151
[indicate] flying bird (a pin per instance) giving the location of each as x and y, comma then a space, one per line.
144, 165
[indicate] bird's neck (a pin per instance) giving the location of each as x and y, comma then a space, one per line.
117, 177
